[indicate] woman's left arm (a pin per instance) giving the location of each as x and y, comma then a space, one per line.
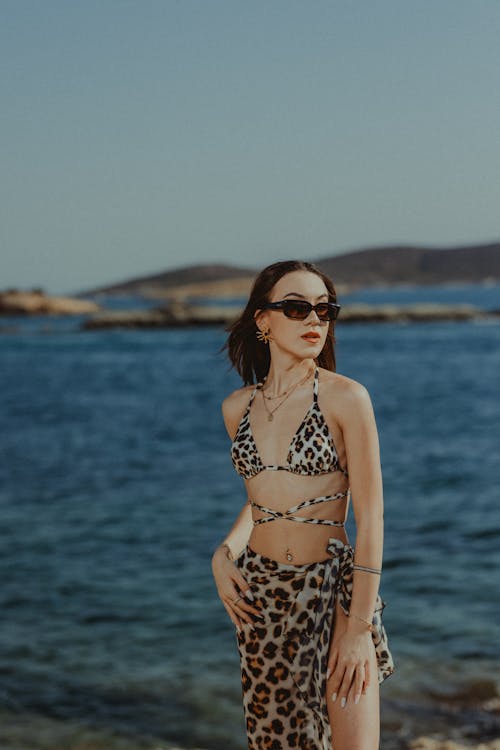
365, 474
351, 643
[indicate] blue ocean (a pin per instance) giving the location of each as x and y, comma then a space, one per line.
117, 485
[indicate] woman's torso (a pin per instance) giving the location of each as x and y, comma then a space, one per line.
297, 457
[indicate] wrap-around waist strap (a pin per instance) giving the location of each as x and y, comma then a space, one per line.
287, 514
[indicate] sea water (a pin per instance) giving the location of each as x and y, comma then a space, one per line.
116, 486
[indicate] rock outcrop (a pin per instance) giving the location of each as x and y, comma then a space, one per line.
36, 302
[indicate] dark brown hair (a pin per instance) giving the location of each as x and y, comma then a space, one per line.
247, 353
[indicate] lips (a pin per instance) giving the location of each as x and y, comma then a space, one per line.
311, 336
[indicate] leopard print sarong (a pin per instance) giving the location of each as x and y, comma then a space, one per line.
284, 660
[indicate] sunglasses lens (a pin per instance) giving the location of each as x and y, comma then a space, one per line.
299, 310
324, 312
296, 309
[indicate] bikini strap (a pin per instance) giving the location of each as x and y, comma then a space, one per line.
257, 386
316, 382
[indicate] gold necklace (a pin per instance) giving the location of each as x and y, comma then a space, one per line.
279, 395
288, 393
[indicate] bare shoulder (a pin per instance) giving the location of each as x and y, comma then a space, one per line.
343, 396
233, 407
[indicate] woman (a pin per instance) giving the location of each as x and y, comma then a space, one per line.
305, 603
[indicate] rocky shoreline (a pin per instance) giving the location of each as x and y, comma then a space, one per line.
428, 743
463, 715
38, 732
419, 743
181, 315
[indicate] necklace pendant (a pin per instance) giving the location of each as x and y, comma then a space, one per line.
270, 418
289, 555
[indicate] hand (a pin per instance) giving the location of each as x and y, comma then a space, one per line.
348, 671
227, 578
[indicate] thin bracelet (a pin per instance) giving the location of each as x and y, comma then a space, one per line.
367, 569
367, 622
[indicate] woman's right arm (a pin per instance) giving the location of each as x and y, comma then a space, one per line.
226, 573
228, 579
239, 534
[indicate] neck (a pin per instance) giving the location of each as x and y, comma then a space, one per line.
282, 378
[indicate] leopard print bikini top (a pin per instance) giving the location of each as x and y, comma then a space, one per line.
311, 452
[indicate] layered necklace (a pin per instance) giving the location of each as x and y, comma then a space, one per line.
286, 394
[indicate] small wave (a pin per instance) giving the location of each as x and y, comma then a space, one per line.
472, 693
483, 533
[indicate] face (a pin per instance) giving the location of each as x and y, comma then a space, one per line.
289, 334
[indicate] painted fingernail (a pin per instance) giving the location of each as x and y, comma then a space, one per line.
342, 702
356, 699
334, 696
249, 595
328, 673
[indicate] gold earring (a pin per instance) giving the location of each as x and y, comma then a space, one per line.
264, 336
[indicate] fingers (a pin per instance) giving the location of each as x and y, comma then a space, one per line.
241, 609
232, 586
246, 612
347, 681
246, 593
341, 682
357, 684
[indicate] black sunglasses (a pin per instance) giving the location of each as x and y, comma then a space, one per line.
298, 309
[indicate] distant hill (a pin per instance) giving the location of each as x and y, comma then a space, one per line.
388, 265
414, 265
193, 274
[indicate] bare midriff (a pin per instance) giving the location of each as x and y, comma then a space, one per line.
280, 490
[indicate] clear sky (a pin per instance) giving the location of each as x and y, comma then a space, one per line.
138, 136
